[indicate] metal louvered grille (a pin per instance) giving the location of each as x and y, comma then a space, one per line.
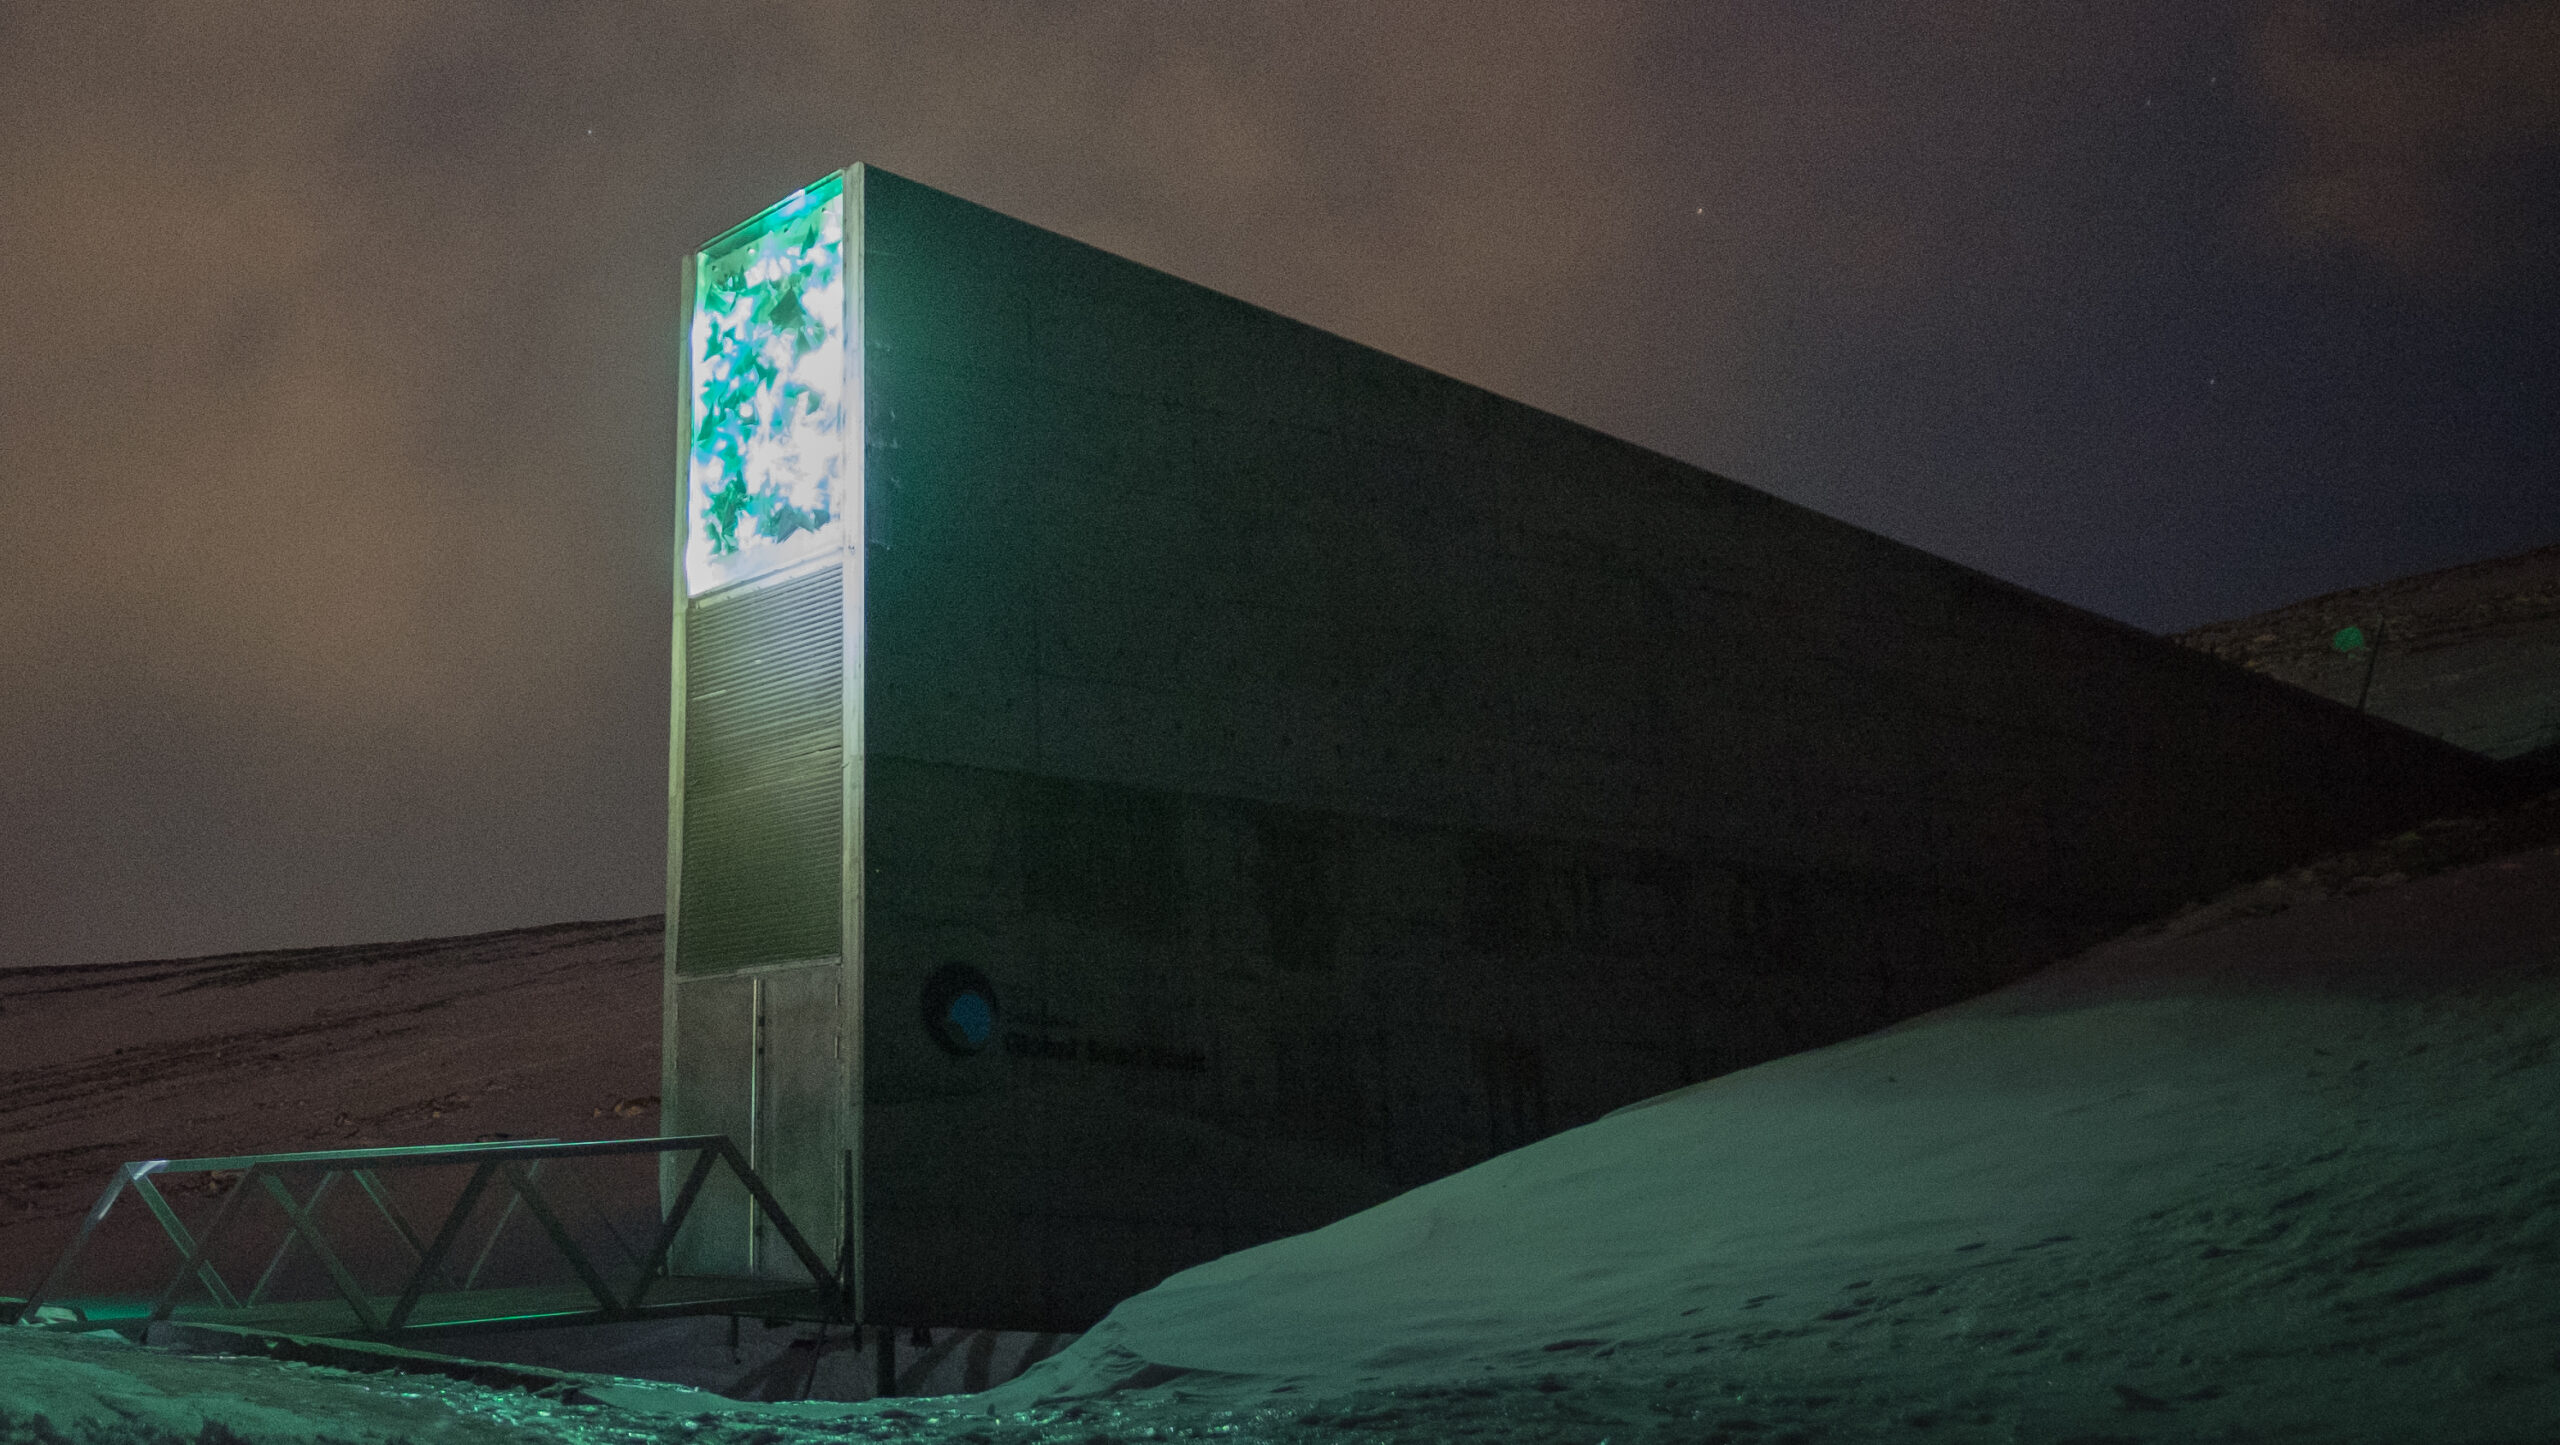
763, 777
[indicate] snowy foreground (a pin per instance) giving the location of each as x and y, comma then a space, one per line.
2288, 1169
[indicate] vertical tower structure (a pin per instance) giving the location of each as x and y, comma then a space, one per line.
1149, 776
764, 913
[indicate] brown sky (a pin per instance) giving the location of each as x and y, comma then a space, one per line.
336, 385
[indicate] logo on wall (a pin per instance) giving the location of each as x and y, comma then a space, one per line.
960, 1009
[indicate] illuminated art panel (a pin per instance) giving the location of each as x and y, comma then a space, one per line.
768, 475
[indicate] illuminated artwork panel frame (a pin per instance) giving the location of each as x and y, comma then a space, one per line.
771, 477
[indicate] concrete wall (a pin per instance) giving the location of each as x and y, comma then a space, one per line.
1345, 774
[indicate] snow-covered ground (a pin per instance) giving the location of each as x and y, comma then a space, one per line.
2282, 1170
2467, 654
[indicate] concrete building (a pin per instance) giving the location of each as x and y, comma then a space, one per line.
1150, 776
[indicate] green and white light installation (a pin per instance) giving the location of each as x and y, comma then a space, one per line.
768, 471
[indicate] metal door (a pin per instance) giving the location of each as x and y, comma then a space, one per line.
799, 1110
711, 1090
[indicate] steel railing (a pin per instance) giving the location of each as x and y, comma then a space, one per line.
514, 1166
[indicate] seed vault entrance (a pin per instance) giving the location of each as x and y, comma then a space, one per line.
764, 911
1150, 777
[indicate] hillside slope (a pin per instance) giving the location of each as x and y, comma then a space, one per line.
534, 1032
2469, 654
2280, 1169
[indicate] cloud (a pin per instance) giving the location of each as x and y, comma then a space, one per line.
336, 468
323, 314
338, 377
336, 400
2423, 141
1439, 180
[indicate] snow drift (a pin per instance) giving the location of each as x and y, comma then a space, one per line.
2257, 1167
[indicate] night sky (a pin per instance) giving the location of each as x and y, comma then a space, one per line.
337, 375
